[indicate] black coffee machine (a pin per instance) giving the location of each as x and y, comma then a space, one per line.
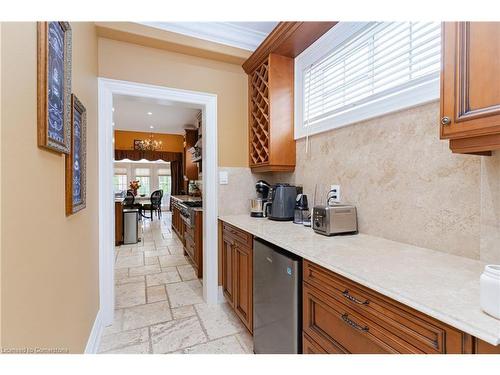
281, 203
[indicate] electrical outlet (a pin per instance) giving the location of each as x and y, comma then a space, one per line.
335, 193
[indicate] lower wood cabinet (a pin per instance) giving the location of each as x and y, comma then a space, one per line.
237, 272
341, 316
118, 223
193, 242
482, 347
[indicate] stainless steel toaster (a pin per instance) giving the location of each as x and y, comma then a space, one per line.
330, 220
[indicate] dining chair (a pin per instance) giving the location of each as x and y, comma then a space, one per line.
155, 205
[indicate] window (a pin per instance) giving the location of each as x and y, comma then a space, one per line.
164, 183
120, 182
369, 69
143, 175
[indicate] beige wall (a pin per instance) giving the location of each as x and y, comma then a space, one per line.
129, 62
124, 140
490, 208
404, 181
49, 261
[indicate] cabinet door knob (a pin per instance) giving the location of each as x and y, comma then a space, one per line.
445, 120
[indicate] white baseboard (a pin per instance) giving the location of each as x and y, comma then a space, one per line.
220, 295
95, 335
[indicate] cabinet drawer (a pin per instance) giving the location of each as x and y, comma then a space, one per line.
419, 330
338, 328
310, 347
482, 347
239, 235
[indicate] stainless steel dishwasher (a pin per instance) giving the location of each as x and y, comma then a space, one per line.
277, 300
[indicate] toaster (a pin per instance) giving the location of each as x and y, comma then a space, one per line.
330, 220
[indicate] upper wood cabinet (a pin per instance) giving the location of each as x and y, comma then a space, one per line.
270, 72
470, 93
270, 107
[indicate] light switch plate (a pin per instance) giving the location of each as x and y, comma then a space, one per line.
223, 178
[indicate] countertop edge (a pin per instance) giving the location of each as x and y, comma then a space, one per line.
447, 319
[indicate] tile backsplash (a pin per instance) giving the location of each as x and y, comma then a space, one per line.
405, 182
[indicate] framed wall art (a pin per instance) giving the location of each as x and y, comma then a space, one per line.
54, 86
76, 171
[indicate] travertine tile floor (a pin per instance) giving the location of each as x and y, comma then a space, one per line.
159, 302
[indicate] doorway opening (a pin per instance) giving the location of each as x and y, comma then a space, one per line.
207, 103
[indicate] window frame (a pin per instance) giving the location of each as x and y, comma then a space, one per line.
413, 94
126, 181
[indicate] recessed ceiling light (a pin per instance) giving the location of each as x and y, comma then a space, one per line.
113, 109
113, 124
150, 113
151, 127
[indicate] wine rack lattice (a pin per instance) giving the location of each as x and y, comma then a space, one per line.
259, 117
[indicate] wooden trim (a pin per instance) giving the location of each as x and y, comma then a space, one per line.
43, 140
481, 145
287, 39
76, 105
272, 168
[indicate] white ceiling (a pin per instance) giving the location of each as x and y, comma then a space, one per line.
131, 113
244, 35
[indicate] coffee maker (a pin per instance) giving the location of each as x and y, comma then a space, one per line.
281, 203
258, 204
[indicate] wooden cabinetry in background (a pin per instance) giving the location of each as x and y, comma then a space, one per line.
470, 92
118, 223
193, 242
177, 222
190, 167
237, 272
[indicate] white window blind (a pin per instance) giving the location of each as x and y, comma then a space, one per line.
163, 171
369, 69
119, 170
142, 172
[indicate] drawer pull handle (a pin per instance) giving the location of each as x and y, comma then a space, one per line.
353, 324
346, 294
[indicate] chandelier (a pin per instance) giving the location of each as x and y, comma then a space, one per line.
149, 144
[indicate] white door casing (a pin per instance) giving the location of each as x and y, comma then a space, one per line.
208, 103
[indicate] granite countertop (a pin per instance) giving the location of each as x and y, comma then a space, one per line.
443, 286
186, 198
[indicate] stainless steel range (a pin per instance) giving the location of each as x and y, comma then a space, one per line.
186, 210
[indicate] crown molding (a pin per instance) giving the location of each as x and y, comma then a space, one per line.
225, 33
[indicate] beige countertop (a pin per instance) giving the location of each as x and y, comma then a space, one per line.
443, 286
186, 198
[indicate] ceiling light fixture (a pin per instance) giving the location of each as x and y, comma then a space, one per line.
113, 109
150, 113
149, 144
151, 127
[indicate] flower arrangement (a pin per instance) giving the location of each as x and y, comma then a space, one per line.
134, 186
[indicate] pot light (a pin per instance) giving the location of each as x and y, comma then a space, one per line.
151, 127
113, 124
113, 109
150, 113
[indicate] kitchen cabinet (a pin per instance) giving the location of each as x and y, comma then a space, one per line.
270, 72
177, 222
190, 166
470, 94
237, 272
118, 223
482, 347
193, 242
341, 316
270, 111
